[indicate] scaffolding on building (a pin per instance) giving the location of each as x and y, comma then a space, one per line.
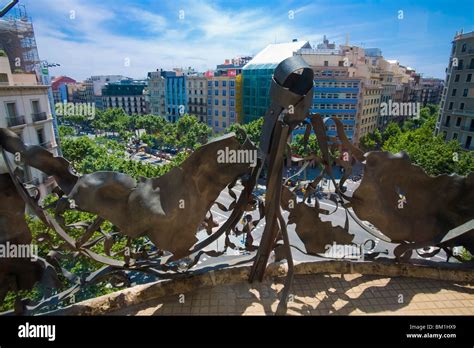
17, 39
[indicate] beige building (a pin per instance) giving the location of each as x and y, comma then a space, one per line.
196, 92
221, 102
25, 109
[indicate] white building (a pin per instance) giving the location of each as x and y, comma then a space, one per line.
25, 109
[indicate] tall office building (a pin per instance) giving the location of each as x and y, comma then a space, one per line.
456, 119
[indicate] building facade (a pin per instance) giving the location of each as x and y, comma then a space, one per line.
257, 76
156, 97
59, 93
196, 92
456, 119
25, 109
175, 96
17, 39
221, 102
431, 91
127, 95
337, 89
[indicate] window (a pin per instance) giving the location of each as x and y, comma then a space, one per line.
216, 92
458, 121
4, 78
232, 83
224, 124
456, 79
471, 64
453, 93
224, 102
40, 134
216, 123
11, 110
232, 102
232, 114
461, 106
469, 77
224, 114
216, 83
224, 83
232, 92
451, 105
463, 48
209, 83
326, 63
464, 93
448, 119
468, 142
216, 101
224, 92
216, 112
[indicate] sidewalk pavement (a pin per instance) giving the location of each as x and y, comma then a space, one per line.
320, 294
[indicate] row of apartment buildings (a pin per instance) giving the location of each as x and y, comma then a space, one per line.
350, 83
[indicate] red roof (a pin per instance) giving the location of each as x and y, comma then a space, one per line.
61, 80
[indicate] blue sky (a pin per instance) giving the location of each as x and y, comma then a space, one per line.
92, 37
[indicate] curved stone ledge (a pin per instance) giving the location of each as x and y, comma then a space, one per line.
141, 293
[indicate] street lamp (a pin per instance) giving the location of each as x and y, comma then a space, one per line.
46, 80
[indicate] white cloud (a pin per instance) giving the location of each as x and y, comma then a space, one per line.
207, 35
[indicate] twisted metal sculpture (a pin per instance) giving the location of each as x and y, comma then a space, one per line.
170, 209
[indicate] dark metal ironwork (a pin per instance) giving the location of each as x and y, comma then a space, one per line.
170, 209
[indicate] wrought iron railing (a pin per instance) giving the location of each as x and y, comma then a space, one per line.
16, 121
40, 116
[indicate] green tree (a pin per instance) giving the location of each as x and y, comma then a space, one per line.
431, 152
371, 141
252, 129
298, 148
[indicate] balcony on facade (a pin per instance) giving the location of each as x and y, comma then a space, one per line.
16, 121
40, 116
